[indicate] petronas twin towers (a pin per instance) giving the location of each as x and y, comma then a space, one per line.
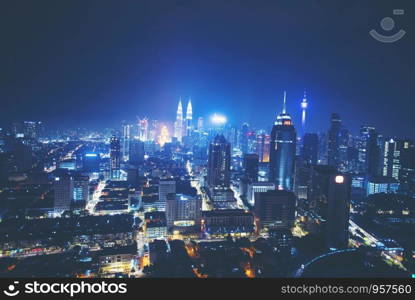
182, 127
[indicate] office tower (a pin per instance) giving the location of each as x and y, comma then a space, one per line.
302, 181
344, 142
392, 157
304, 105
183, 210
333, 140
219, 162
115, 158
142, 126
81, 188
189, 118
250, 166
407, 172
275, 209
258, 187
369, 151
91, 162
322, 148
330, 203
309, 150
136, 152
282, 151
166, 186
178, 124
244, 138
263, 147
63, 187
126, 137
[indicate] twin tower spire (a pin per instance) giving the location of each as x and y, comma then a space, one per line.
182, 127
189, 113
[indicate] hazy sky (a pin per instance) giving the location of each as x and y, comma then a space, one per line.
95, 63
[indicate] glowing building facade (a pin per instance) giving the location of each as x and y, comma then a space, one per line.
282, 151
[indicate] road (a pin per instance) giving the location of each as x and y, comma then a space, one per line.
95, 197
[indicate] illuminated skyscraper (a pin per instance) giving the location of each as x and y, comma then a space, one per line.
126, 137
304, 106
189, 117
178, 124
262, 147
282, 151
115, 158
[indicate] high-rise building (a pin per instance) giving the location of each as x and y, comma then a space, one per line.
136, 153
309, 150
258, 187
244, 138
81, 188
143, 133
219, 162
392, 157
369, 152
282, 151
115, 158
183, 211
330, 197
63, 188
189, 118
178, 124
275, 209
333, 147
126, 137
263, 147
166, 186
407, 172
250, 166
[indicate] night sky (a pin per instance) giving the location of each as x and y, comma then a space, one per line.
96, 63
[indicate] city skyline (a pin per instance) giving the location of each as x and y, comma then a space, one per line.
207, 139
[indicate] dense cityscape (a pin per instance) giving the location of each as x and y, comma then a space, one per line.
201, 197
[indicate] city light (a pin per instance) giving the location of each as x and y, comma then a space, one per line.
339, 179
218, 119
